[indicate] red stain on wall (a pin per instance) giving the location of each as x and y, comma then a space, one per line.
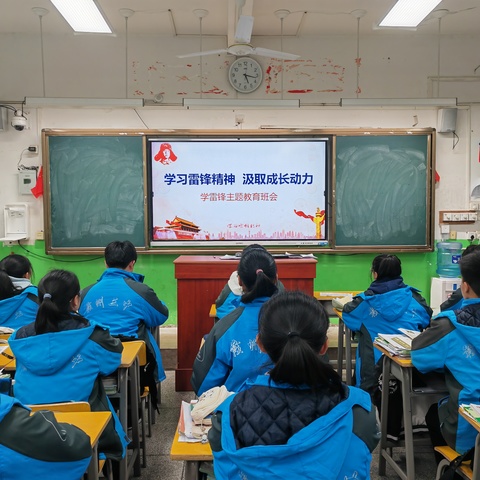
217, 91
299, 91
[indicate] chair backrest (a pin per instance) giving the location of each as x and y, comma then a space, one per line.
62, 407
142, 355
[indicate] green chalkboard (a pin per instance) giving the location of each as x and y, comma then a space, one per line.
95, 191
383, 190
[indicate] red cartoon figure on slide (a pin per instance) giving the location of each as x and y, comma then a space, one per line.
318, 220
165, 155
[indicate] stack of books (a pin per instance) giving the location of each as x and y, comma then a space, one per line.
472, 410
397, 343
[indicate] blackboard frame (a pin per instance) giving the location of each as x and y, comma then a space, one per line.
334, 134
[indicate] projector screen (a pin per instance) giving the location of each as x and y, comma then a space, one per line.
230, 191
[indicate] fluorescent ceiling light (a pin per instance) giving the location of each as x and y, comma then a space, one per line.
83, 102
238, 103
84, 16
408, 13
398, 102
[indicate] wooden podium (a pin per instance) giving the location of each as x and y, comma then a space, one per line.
200, 279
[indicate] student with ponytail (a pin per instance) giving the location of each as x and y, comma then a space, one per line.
230, 296
298, 420
387, 305
230, 355
61, 357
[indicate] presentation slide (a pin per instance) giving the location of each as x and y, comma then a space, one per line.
238, 191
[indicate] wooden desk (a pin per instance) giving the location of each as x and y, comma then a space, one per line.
192, 454
476, 457
93, 424
344, 333
6, 363
200, 279
400, 368
128, 370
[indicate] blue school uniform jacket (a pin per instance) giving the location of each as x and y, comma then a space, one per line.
19, 310
230, 354
287, 432
452, 344
64, 366
384, 308
37, 446
121, 301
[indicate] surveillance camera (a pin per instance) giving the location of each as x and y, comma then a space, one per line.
19, 122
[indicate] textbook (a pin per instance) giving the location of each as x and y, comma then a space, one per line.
396, 344
472, 410
185, 424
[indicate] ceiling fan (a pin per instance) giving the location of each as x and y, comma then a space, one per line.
241, 45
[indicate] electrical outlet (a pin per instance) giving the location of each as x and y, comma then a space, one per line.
445, 228
471, 236
33, 149
453, 235
40, 235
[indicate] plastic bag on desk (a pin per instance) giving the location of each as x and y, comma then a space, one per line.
207, 403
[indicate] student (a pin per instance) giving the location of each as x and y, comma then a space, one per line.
37, 446
229, 298
452, 344
121, 301
387, 305
299, 420
61, 356
18, 297
19, 269
230, 355
455, 301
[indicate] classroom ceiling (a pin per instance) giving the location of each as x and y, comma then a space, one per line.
306, 18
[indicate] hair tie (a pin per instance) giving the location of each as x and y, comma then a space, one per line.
46, 295
259, 270
293, 334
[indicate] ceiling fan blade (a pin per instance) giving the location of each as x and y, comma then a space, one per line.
265, 52
243, 32
201, 54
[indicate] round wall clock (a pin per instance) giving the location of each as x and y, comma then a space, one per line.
245, 74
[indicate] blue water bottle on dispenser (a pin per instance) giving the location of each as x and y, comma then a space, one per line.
448, 257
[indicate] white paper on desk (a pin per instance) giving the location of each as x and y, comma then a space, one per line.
409, 333
300, 255
185, 424
6, 330
3, 348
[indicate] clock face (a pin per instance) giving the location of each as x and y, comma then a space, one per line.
245, 75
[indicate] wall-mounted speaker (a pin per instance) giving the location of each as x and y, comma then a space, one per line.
447, 120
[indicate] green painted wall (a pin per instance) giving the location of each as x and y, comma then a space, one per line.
334, 271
